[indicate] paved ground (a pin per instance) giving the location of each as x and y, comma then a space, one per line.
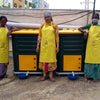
12, 88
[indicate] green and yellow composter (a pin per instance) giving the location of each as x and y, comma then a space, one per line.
70, 57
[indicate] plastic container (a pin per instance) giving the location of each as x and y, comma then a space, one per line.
72, 77
22, 75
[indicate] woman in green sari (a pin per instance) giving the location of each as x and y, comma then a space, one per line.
92, 57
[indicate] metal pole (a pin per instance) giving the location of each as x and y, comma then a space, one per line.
94, 7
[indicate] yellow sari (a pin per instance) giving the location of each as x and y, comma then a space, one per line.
48, 37
4, 45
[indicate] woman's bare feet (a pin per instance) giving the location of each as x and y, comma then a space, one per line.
95, 80
52, 79
43, 78
85, 80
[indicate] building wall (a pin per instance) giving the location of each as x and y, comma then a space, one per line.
20, 3
11, 3
1, 2
8, 3
36, 2
27, 5
41, 4
29, 1
46, 5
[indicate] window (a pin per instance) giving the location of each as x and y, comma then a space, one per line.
45, 6
8, 4
20, 0
26, 2
15, 5
30, 4
20, 6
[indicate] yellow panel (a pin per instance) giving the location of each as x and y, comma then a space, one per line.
24, 31
72, 62
28, 62
64, 31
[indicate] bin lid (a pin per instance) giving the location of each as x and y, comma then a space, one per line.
32, 31
69, 31
26, 31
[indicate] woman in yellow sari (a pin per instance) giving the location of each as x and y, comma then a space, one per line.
48, 40
5, 31
92, 57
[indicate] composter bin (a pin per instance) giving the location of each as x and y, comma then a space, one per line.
72, 52
70, 57
24, 51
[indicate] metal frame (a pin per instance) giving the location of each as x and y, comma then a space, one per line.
66, 73
28, 72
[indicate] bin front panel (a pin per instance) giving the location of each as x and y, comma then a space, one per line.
71, 44
24, 44
72, 62
27, 62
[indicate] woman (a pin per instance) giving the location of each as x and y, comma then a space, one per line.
5, 31
48, 40
94, 17
92, 58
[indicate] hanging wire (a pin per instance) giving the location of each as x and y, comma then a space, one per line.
74, 19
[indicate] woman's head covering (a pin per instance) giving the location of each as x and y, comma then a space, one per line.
47, 14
